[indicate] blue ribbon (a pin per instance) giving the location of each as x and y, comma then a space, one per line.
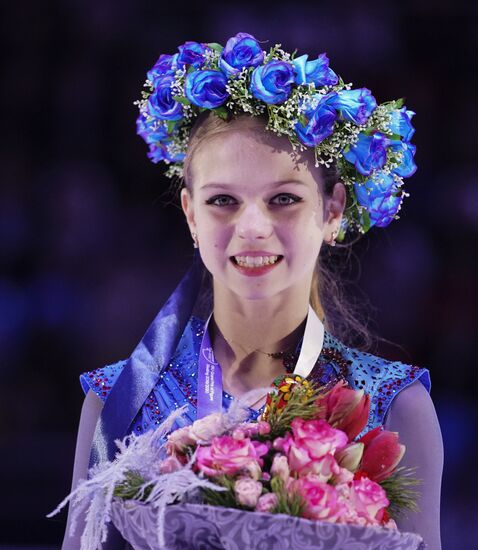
141, 372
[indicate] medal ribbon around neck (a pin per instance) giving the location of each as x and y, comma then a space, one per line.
209, 397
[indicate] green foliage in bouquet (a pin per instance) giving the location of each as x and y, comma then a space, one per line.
133, 487
400, 492
295, 398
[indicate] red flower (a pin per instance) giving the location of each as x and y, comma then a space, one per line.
382, 453
345, 409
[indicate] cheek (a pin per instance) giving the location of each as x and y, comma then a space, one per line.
214, 236
305, 236
307, 229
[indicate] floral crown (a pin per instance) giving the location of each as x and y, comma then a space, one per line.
303, 100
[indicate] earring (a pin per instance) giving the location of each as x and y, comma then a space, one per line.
195, 239
334, 235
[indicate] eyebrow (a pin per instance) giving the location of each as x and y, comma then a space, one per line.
214, 185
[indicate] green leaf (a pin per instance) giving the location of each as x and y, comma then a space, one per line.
303, 120
133, 487
171, 125
215, 46
276, 484
400, 491
181, 99
400, 102
221, 112
365, 221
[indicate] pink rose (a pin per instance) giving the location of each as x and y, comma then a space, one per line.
342, 475
302, 464
249, 429
170, 464
321, 499
368, 499
264, 427
226, 455
282, 443
238, 433
266, 502
204, 429
280, 467
317, 436
349, 514
247, 491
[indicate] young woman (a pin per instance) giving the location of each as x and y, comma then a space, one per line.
261, 213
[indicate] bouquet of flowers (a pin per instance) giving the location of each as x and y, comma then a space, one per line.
299, 471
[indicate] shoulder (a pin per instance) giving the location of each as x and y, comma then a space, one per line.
102, 380
412, 414
366, 370
414, 401
381, 378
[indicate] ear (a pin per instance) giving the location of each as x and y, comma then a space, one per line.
188, 209
335, 206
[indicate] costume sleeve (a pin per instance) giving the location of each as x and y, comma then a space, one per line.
412, 414
102, 380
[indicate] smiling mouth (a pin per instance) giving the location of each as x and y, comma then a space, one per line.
255, 262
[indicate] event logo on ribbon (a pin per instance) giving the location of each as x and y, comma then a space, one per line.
209, 380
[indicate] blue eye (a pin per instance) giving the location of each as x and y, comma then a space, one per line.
221, 200
285, 199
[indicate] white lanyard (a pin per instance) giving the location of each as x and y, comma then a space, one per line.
209, 397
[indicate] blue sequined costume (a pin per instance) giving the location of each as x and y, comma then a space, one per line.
177, 383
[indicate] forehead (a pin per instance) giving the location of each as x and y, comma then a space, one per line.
246, 157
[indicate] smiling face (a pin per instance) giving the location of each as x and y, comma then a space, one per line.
259, 213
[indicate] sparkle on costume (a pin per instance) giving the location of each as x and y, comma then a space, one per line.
177, 383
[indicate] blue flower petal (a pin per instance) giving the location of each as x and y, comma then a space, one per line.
355, 105
272, 82
206, 89
369, 153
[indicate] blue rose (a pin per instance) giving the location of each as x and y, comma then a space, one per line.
320, 124
206, 88
151, 130
401, 124
380, 196
354, 105
272, 82
165, 65
240, 51
407, 166
192, 53
317, 72
161, 103
159, 152
369, 153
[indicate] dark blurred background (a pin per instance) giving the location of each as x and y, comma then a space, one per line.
90, 247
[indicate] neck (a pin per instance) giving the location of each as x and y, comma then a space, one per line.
243, 332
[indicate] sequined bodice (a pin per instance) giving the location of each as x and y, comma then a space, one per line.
177, 382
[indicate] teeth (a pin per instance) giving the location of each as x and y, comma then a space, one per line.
255, 261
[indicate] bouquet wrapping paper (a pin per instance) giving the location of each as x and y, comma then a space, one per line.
202, 527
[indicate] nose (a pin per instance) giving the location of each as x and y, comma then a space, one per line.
253, 223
